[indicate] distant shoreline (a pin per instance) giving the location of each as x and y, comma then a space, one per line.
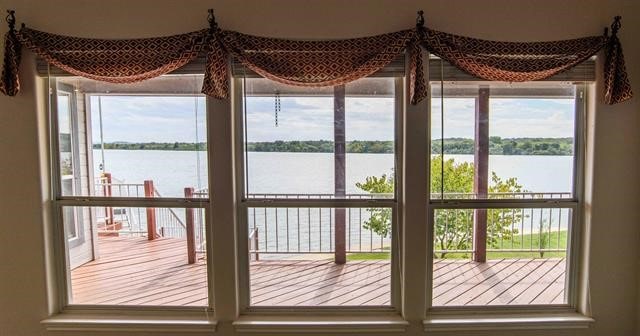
497, 146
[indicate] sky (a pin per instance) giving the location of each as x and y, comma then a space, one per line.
182, 119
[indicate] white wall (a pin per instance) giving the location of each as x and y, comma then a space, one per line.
614, 276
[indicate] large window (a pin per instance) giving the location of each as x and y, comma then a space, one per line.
505, 171
319, 205
131, 161
321, 199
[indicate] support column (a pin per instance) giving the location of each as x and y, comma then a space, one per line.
481, 173
149, 191
340, 256
190, 228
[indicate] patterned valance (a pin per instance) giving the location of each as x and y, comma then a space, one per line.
312, 63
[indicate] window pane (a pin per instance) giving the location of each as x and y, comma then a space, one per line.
292, 253
503, 140
524, 261
318, 142
119, 265
133, 140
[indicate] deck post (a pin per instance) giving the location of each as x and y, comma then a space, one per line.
149, 191
190, 227
481, 173
106, 191
340, 256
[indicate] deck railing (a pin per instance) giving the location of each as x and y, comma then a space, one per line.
509, 231
132, 221
308, 230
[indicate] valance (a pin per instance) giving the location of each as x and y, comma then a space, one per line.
312, 63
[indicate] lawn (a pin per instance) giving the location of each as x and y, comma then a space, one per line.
527, 241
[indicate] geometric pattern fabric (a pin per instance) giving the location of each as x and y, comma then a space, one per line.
312, 63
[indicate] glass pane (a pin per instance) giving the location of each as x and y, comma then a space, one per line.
66, 140
136, 140
500, 140
500, 256
319, 142
120, 265
319, 256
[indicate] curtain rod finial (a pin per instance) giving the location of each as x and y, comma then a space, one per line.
420, 19
11, 19
212, 19
615, 26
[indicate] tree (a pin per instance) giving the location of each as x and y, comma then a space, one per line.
453, 229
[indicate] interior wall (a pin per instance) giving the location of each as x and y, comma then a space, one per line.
614, 246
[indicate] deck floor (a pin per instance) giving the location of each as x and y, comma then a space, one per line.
134, 271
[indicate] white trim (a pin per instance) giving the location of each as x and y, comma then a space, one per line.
120, 323
508, 322
377, 324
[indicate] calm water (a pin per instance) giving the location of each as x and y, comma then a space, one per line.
311, 230
312, 173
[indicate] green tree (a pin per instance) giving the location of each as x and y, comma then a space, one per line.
453, 227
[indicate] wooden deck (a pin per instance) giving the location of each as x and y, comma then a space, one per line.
134, 271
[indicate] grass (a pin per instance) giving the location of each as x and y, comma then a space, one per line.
525, 241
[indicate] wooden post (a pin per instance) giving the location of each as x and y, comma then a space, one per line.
149, 191
191, 232
481, 173
340, 256
106, 191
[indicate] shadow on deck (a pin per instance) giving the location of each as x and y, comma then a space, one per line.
135, 271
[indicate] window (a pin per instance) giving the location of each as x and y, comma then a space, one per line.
319, 202
505, 192
318, 195
132, 191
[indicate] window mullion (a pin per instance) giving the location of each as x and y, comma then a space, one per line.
415, 257
222, 208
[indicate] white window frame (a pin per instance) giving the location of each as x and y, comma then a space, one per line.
61, 244
244, 203
575, 203
228, 296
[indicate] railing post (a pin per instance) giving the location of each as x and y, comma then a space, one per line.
149, 191
481, 173
191, 232
256, 242
340, 256
253, 241
106, 191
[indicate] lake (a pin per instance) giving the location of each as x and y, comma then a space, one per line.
311, 230
311, 173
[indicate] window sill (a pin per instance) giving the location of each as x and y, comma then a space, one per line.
122, 323
507, 322
304, 324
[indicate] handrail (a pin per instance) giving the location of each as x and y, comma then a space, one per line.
302, 230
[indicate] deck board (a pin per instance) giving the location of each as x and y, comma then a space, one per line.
135, 271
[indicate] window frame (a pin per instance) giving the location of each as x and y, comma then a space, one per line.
244, 203
75, 176
61, 246
582, 92
411, 240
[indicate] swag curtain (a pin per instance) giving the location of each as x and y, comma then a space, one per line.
312, 63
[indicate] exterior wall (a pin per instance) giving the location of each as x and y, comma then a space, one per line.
83, 252
612, 203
